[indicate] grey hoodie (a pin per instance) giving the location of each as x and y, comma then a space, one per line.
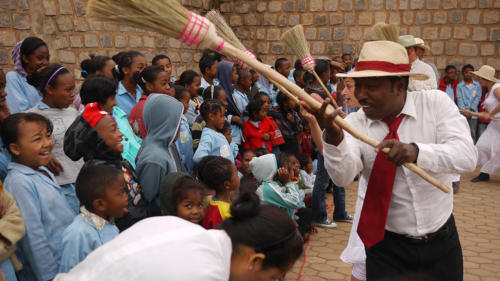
162, 116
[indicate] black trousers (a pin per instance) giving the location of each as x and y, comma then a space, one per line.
400, 258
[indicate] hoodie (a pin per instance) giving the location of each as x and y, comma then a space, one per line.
162, 117
287, 196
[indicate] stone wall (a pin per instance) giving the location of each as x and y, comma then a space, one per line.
458, 31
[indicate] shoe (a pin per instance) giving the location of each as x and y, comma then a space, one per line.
456, 187
481, 177
325, 224
348, 218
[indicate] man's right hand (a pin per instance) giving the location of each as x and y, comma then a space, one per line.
333, 132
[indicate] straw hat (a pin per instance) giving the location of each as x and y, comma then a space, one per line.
382, 59
408, 41
487, 72
421, 44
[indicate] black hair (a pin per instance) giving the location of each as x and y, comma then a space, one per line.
160, 57
181, 189
252, 71
30, 45
93, 181
211, 106
180, 92
11, 126
298, 64
279, 62
266, 228
308, 77
304, 160
467, 66
123, 60
213, 171
41, 79
259, 96
283, 158
242, 73
281, 99
97, 89
449, 67
148, 75
211, 92
260, 151
297, 73
206, 61
322, 66
93, 64
248, 183
226, 127
187, 77
254, 107
346, 54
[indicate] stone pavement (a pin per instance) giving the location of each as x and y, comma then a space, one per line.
477, 214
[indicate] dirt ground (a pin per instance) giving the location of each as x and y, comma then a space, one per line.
477, 214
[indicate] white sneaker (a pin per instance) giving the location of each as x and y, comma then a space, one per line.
325, 224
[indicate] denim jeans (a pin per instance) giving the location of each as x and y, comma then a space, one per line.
339, 212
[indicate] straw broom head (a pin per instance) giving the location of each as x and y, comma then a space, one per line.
296, 41
223, 29
387, 32
166, 17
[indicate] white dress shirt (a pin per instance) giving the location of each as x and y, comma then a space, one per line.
421, 67
434, 123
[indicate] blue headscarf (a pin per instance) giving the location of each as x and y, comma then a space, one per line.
225, 74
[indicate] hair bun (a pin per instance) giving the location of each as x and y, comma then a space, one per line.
247, 206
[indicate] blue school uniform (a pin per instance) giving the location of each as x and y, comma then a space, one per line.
213, 143
46, 214
124, 99
21, 96
469, 96
86, 233
5, 159
193, 110
185, 145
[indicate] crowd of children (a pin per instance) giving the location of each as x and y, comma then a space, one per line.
136, 142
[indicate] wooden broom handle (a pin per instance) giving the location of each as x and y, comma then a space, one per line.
273, 75
479, 115
325, 89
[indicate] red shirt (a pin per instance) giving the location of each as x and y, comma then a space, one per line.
136, 120
453, 84
253, 135
305, 143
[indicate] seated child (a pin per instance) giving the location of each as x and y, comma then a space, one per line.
246, 156
152, 80
258, 131
227, 132
307, 178
182, 195
191, 80
12, 231
213, 142
289, 123
277, 187
185, 141
221, 175
102, 193
41, 201
158, 155
95, 136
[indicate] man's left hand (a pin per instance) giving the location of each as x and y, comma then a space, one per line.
400, 153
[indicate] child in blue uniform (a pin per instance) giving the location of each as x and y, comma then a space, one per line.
185, 141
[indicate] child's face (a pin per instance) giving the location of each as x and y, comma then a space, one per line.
452, 74
467, 73
212, 71
167, 66
110, 104
37, 60
348, 60
160, 85
63, 94
217, 119
138, 65
3, 94
285, 68
325, 77
300, 80
289, 104
245, 162
294, 167
106, 71
109, 132
222, 97
116, 200
333, 75
191, 208
194, 86
246, 82
267, 102
185, 101
228, 134
255, 77
33, 146
309, 167
234, 182
234, 75
262, 114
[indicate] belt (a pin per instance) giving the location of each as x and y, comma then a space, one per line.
424, 239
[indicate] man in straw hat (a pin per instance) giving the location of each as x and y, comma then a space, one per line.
418, 66
487, 145
405, 223
421, 49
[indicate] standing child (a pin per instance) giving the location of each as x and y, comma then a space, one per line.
227, 131
57, 85
221, 175
307, 176
181, 195
129, 92
241, 100
102, 192
208, 68
191, 81
258, 131
158, 155
152, 80
468, 97
41, 201
288, 122
185, 141
213, 142
449, 82
305, 140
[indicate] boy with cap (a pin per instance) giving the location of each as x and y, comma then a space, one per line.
406, 224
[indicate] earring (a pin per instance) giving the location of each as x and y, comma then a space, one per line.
250, 268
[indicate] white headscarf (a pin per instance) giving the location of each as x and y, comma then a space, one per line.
158, 249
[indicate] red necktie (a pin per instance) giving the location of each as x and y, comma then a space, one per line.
371, 227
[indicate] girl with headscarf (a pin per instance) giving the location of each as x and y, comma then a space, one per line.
234, 117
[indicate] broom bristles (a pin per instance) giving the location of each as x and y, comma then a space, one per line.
388, 32
296, 41
223, 29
